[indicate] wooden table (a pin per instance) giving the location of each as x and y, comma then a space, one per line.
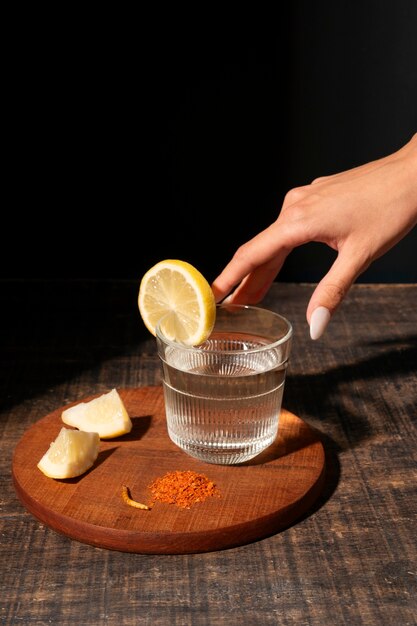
351, 560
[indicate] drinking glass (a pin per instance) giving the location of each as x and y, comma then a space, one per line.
223, 398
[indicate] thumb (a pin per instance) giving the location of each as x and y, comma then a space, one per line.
330, 293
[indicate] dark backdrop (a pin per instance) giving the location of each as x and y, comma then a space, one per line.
150, 141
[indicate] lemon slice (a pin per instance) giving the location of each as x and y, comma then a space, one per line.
71, 454
179, 293
105, 415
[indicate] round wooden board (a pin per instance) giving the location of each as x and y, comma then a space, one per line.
257, 499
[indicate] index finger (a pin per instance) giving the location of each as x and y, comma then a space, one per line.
265, 252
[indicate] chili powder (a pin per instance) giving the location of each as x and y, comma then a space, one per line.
183, 488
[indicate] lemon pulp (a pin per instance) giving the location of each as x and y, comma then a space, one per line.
177, 293
105, 415
71, 454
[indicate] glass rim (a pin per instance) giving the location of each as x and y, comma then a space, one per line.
268, 346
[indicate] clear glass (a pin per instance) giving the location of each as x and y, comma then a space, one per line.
223, 398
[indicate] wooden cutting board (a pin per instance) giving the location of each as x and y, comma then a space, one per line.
257, 499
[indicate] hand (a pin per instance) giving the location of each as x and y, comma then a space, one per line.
360, 213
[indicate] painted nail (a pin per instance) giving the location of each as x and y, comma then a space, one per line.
318, 321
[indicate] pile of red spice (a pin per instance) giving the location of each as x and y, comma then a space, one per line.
183, 488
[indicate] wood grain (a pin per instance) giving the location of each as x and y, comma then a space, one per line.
257, 498
349, 560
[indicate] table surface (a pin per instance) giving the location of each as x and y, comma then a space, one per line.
351, 560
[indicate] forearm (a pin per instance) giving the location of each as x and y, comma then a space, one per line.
408, 156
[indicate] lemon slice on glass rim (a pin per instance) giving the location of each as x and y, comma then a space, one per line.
176, 294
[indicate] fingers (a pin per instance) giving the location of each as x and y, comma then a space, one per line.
255, 265
331, 291
252, 287
255, 285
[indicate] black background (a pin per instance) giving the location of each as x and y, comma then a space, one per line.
138, 137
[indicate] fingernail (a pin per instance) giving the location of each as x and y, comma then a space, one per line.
227, 300
318, 321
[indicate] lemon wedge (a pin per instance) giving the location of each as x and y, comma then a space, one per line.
105, 415
179, 293
71, 454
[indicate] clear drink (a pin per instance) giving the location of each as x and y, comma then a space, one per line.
223, 399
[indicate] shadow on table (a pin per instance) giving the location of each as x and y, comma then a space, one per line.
339, 398
346, 419
330, 480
